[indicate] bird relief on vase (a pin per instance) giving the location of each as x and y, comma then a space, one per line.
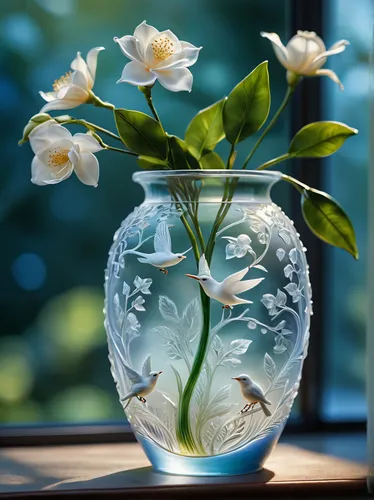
259, 324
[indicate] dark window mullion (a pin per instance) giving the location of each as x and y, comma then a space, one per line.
306, 108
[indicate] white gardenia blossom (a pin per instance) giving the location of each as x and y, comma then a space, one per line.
58, 154
158, 56
73, 88
305, 54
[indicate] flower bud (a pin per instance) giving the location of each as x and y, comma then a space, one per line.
33, 123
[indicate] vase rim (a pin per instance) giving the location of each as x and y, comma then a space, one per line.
149, 175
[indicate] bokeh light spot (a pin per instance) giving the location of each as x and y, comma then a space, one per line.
16, 375
21, 33
29, 271
73, 323
81, 404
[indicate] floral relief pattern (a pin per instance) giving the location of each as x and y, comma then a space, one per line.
217, 425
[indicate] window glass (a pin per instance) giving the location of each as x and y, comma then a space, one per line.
346, 178
53, 355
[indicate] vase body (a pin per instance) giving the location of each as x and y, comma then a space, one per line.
193, 417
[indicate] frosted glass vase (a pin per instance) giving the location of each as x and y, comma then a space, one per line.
207, 369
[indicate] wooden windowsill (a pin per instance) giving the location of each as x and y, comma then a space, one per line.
122, 470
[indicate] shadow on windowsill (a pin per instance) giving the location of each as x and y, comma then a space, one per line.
145, 478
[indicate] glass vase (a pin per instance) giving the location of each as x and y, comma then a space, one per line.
208, 305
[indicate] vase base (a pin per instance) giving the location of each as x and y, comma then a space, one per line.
247, 459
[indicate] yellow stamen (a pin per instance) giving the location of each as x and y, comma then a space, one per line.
58, 157
163, 48
62, 81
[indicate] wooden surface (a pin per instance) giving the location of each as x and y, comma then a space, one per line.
122, 470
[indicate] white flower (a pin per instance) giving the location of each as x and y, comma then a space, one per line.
73, 88
143, 285
305, 54
138, 303
294, 291
238, 247
272, 303
158, 56
58, 154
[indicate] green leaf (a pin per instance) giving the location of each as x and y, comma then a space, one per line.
141, 133
149, 163
248, 105
212, 160
327, 220
320, 139
205, 130
179, 155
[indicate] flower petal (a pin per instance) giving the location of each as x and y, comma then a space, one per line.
92, 62
42, 174
79, 64
48, 96
47, 134
74, 155
73, 93
190, 52
175, 80
279, 49
87, 169
59, 104
129, 46
136, 73
331, 74
244, 240
337, 48
39, 137
87, 143
80, 80
240, 252
302, 50
144, 32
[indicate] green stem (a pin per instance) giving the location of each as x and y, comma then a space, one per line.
111, 148
184, 432
230, 161
300, 186
92, 127
287, 97
147, 91
274, 161
123, 151
96, 101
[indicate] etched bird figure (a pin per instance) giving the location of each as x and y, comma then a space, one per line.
143, 384
253, 393
163, 256
226, 290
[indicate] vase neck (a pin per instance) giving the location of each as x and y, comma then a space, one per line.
208, 186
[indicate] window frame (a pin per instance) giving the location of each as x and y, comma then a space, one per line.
306, 107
